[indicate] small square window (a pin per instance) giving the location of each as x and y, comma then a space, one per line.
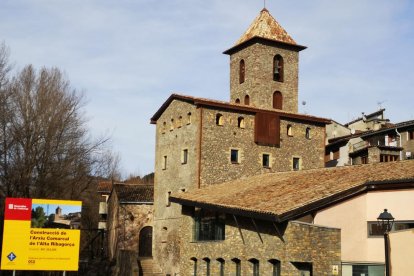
184, 156
266, 160
296, 163
234, 156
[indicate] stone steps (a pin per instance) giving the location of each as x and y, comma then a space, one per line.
147, 267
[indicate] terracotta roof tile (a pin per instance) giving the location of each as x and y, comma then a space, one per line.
282, 194
265, 26
134, 193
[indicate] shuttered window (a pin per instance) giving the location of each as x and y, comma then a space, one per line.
267, 129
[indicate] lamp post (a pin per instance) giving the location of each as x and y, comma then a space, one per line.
385, 221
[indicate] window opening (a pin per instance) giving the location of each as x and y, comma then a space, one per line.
219, 119
255, 266
194, 260
296, 163
184, 156
307, 133
242, 71
172, 125
247, 100
411, 135
209, 225
207, 263
168, 203
275, 267
164, 127
374, 230
277, 100
240, 122
278, 68
234, 156
221, 266
188, 118
237, 266
237, 101
289, 130
266, 160
180, 122
164, 162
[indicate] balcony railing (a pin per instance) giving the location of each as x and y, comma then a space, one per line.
366, 144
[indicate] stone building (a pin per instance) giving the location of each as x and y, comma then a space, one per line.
202, 142
272, 222
129, 225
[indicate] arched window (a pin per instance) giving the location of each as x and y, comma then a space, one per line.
278, 68
240, 122
145, 242
194, 261
221, 263
242, 71
219, 119
246, 100
277, 100
275, 267
237, 101
237, 266
207, 265
255, 266
188, 118
308, 133
289, 130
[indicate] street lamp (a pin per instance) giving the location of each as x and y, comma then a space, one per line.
385, 221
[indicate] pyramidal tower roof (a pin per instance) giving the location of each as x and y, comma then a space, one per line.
265, 26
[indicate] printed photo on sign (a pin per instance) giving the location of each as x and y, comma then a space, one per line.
55, 216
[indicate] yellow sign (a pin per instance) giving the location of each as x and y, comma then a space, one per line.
41, 234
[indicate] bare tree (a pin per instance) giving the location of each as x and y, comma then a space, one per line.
46, 150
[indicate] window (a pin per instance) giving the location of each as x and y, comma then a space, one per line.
278, 68
219, 119
194, 260
307, 133
164, 162
168, 202
246, 100
234, 156
255, 266
188, 118
221, 263
388, 158
289, 130
208, 225
275, 267
184, 156
364, 160
237, 101
207, 264
172, 125
266, 160
237, 266
242, 71
374, 230
240, 122
296, 163
164, 127
411, 135
180, 122
277, 100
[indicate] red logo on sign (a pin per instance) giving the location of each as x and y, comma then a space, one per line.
18, 209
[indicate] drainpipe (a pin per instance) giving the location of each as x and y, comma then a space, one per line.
399, 134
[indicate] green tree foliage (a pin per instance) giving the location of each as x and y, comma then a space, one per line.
38, 217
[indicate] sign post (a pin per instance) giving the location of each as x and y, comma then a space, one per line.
41, 234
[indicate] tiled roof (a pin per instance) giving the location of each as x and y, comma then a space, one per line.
104, 187
231, 106
375, 113
134, 193
289, 195
265, 26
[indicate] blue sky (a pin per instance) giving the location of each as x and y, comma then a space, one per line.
127, 57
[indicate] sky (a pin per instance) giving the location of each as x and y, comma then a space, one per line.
127, 57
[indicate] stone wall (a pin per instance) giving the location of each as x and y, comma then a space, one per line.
171, 140
299, 243
407, 144
259, 83
217, 142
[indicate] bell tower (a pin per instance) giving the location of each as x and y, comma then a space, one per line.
264, 66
